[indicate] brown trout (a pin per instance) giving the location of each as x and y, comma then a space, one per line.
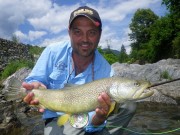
83, 98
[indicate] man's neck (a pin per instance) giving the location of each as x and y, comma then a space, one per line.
81, 63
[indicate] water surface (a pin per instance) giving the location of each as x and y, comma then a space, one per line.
148, 120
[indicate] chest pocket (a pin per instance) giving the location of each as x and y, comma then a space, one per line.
58, 77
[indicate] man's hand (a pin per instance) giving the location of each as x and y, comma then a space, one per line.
29, 98
102, 111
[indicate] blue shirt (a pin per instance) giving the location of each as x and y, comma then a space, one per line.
54, 69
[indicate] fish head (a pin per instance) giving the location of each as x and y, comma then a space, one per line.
123, 89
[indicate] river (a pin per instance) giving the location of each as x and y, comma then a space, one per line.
155, 120
148, 120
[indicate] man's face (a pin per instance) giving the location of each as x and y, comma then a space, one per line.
84, 36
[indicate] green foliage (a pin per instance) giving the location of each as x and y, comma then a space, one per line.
160, 44
111, 58
165, 75
108, 55
36, 50
123, 57
176, 48
141, 22
100, 50
141, 33
13, 66
172, 5
16, 64
156, 38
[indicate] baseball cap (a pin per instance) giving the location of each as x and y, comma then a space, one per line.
87, 12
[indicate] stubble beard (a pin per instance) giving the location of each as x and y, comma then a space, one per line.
84, 53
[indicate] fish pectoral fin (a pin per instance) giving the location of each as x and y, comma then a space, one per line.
116, 109
63, 119
113, 104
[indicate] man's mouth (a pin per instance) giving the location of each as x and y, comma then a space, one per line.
85, 46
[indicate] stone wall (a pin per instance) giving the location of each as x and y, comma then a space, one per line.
12, 51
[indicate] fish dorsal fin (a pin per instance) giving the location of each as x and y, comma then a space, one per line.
113, 105
63, 119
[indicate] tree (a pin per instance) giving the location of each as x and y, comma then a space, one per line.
174, 8
141, 22
123, 57
111, 57
165, 34
108, 55
159, 39
141, 32
176, 46
160, 44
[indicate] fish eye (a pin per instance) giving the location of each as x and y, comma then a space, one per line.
136, 84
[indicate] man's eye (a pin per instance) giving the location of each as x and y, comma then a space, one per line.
77, 32
92, 33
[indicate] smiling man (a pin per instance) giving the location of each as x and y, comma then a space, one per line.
77, 62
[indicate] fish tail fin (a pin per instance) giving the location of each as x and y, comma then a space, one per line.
63, 119
13, 89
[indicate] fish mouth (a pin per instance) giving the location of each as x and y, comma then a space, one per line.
143, 92
146, 93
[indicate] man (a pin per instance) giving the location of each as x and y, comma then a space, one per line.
76, 62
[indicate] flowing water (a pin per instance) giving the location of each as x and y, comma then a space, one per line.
164, 120
155, 120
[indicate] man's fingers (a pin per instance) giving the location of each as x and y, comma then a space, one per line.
105, 103
27, 99
34, 102
41, 110
101, 112
27, 86
106, 98
33, 85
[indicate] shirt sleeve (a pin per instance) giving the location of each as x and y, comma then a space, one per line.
42, 68
92, 128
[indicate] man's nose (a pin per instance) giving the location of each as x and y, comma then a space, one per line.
85, 37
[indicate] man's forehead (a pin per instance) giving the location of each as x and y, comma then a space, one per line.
81, 20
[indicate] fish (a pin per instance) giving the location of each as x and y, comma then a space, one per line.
84, 98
